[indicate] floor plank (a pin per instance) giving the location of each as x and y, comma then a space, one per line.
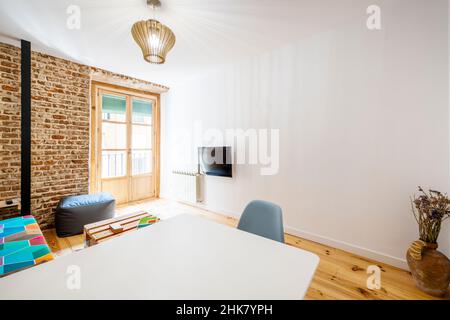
340, 276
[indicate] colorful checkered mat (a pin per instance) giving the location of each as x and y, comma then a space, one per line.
22, 244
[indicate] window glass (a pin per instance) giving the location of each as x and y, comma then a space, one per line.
114, 108
141, 137
141, 161
142, 112
114, 164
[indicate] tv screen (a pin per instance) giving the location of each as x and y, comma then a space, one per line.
215, 161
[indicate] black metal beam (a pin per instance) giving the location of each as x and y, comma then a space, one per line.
25, 98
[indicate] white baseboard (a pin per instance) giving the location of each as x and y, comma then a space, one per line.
355, 249
361, 251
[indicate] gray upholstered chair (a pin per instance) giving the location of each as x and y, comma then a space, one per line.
264, 219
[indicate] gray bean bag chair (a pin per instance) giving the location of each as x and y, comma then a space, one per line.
73, 212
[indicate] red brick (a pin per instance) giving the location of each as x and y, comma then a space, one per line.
60, 129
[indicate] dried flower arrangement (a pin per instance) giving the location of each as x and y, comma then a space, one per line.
429, 267
430, 209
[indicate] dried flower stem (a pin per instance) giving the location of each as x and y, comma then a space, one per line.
429, 210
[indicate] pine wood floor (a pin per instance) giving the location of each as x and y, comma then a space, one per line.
340, 275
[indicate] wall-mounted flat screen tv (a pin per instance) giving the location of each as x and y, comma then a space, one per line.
215, 161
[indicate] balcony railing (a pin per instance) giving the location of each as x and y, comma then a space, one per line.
114, 163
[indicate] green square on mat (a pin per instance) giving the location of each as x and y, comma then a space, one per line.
42, 251
13, 222
11, 230
17, 266
19, 256
10, 247
27, 221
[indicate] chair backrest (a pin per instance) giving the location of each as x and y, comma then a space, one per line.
264, 219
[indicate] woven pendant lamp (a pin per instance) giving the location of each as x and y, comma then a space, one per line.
154, 38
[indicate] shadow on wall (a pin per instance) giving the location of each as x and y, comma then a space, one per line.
353, 114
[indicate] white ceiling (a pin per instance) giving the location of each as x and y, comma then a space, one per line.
209, 32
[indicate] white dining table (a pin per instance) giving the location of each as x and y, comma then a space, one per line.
184, 257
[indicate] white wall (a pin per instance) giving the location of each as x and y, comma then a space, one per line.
363, 118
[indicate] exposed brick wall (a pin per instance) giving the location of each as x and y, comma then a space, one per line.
60, 117
9, 127
59, 133
9, 212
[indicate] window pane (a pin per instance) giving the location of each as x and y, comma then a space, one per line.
114, 108
114, 164
142, 137
141, 162
142, 112
114, 135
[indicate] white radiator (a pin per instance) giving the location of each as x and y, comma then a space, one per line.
187, 186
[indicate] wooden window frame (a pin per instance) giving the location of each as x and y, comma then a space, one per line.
95, 148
